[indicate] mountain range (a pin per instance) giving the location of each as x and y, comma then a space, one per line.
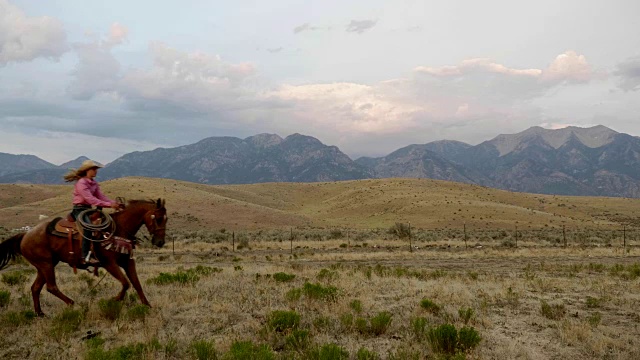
595, 161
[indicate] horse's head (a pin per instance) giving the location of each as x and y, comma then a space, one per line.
156, 221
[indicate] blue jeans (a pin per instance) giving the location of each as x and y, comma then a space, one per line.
86, 245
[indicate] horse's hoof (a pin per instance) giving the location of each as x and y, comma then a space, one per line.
40, 314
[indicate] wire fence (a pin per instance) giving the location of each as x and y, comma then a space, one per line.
403, 233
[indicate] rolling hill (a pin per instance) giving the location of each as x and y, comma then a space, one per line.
377, 203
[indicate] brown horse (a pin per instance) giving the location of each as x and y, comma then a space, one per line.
45, 251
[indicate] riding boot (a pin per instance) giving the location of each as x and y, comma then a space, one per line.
86, 245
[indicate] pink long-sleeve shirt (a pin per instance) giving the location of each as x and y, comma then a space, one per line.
87, 192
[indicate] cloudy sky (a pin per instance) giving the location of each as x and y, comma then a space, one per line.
103, 78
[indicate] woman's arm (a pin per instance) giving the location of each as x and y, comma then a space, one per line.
96, 198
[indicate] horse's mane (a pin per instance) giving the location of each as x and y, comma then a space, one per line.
141, 201
158, 203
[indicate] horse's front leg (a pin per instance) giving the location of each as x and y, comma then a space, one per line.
115, 271
132, 274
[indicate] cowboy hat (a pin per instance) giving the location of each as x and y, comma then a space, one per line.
87, 165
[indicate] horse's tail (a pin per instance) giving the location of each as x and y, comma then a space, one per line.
10, 249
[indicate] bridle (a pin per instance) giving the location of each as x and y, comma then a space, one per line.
156, 228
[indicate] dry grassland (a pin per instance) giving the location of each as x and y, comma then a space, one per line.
594, 293
428, 204
536, 301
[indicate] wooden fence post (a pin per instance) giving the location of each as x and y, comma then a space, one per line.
465, 235
410, 247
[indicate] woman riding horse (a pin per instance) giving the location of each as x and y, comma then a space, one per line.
86, 193
45, 250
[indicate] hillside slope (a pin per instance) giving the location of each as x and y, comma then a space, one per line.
358, 204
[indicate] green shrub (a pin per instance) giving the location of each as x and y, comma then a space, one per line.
203, 350
380, 323
430, 306
443, 339
171, 347
126, 352
346, 320
281, 321
364, 354
419, 327
594, 319
5, 298
204, 270
283, 277
298, 340
465, 314
328, 352
327, 275
400, 230
14, 278
293, 294
66, 322
553, 311
138, 312
593, 302
324, 323
319, 292
15, 318
110, 309
246, 350
179, 277
356, 305
468, 338
361, 325
184, 277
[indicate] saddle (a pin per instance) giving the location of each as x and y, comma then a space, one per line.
62, 227
67, 228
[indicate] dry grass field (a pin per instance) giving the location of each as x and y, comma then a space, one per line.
345, 287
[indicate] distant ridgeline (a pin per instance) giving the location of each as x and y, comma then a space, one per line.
594, 161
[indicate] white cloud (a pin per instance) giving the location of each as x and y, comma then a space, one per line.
24, 38
348, 107
117, 34
477, 64
569, 67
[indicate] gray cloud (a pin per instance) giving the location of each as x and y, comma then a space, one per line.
360, 26
275, 50
97, 71
629, 74
25, 38
301, 28
308, 27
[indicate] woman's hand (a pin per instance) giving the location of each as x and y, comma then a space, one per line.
117, 205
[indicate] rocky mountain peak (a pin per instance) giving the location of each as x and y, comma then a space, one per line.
593, 137
74, 163
264, 140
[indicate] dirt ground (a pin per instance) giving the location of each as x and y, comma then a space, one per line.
596, 292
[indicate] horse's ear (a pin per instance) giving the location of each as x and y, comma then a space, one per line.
163, 202
159, 203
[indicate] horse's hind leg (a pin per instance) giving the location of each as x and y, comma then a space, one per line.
50, 277
35, 292
132, 274
115, 271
